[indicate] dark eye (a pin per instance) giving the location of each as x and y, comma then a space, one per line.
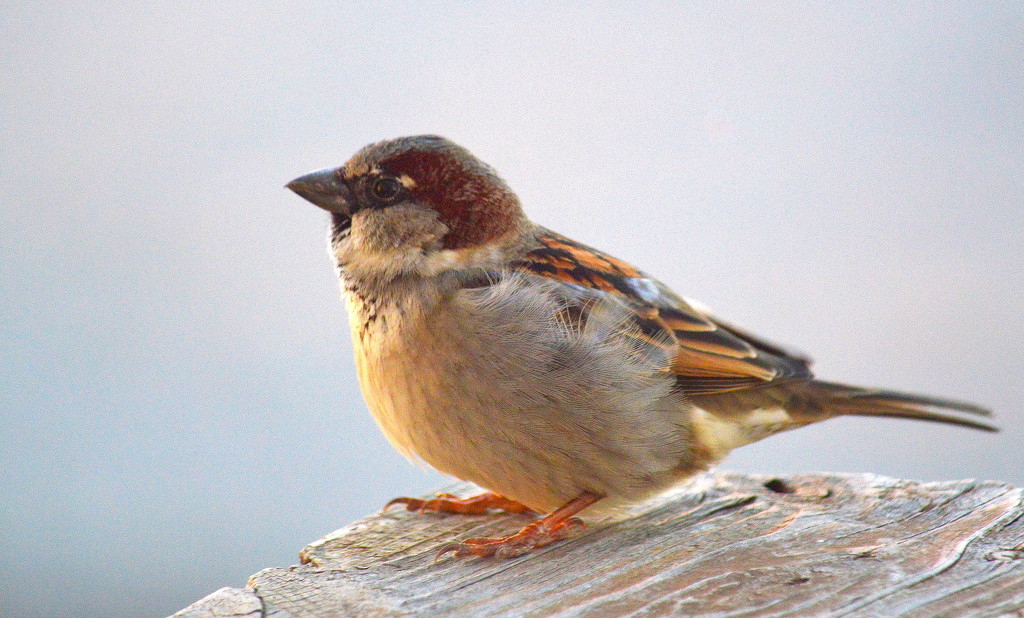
386, 188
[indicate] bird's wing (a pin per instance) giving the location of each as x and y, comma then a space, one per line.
709, 356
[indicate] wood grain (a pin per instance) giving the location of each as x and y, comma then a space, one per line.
723, 544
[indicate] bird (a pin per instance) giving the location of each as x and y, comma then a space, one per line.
550, 374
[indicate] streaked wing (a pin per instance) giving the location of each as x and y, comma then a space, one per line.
709, 356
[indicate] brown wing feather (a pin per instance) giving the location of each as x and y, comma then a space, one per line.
708, 357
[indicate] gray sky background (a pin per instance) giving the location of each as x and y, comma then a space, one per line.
179, 408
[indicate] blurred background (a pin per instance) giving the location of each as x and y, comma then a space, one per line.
179, 407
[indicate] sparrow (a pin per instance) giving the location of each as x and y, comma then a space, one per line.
547, 372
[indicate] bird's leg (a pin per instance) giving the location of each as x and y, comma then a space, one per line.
554, 526
447, 503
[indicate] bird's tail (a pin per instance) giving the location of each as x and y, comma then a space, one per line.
832, 399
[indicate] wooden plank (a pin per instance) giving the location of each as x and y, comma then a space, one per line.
723, 544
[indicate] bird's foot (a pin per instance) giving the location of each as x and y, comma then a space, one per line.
555, 526
537, 534
448, 503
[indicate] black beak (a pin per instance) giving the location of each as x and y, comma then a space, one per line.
326, 190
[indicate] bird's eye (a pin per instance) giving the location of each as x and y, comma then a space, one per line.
386, 188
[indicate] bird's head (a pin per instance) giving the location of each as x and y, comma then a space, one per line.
413, 204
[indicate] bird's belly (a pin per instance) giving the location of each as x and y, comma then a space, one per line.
454, 410
514, 413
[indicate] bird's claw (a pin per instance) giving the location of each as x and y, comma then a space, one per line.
449, 503
526, 540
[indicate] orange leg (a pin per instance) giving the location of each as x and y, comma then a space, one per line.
555, 526
447, 503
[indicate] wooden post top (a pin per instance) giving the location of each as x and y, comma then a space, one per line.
721, 544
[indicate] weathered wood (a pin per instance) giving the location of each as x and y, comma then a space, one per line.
723, 544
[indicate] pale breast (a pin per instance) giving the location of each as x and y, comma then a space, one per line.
493, 385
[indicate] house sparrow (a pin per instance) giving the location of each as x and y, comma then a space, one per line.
547, 372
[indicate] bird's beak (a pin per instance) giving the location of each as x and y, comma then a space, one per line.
326, 190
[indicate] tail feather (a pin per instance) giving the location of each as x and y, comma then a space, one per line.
856, 401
